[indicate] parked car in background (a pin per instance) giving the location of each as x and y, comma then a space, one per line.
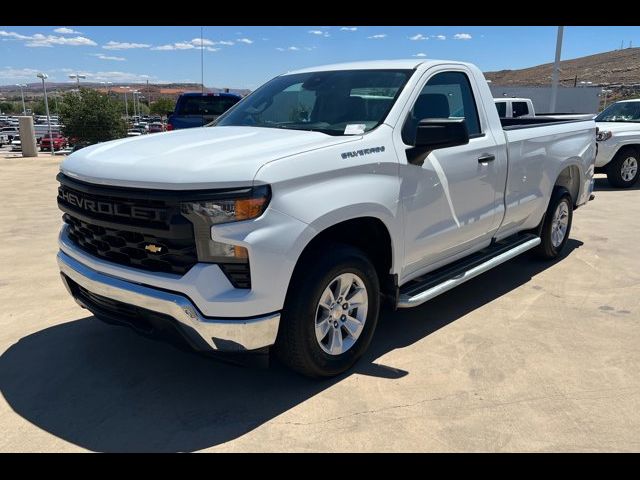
10, 132
134, 133
4, 139
619, 143
16, 144
55, 141
198, 109
514, 107
156, 127
287, 222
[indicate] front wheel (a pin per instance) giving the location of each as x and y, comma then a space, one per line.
623, 171
330, 313
557, 224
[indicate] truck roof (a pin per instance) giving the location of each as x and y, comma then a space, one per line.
517, 99
373, 65
630, 100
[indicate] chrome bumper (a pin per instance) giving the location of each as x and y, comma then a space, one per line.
218, 334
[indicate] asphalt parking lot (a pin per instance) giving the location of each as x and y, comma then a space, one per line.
531, 356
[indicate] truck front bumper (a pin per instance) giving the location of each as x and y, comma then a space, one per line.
150, 310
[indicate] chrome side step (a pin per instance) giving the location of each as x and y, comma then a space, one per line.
420, 291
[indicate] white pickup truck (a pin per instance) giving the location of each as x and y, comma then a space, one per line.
514, 107
324, 192
619, 143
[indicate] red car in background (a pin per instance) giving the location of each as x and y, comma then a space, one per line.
59, 142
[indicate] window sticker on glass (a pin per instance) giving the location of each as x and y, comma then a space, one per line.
355, 129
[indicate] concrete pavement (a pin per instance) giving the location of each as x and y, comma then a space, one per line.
531, 356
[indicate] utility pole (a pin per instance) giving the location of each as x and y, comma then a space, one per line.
148, 96
44, 76
556, 71
202, 59
22, 85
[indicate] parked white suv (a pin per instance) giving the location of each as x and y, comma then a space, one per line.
321, 194
619, 143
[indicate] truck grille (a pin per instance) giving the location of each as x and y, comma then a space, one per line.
133, 249
133, 227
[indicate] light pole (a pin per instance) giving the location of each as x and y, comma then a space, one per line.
106, 84
556, 71
77, 76
44, 76
126, 103
22, 85
135, 108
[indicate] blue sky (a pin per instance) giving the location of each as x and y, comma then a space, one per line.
245, 57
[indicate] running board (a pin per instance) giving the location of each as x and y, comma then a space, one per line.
433, 284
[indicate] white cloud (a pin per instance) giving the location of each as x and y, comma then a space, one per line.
420, 55
439, 37
102, 56
462, 36
212, 49
224, 42
293, 49
349, 29
319, 33
378, 36
14, 74
280, 49
247, 41
66, 31
40, 40
111, 45
419, 36
205, 41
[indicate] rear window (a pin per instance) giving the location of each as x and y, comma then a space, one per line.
207, 105
519, 109
502, 109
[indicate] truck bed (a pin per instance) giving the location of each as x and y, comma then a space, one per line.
537, 121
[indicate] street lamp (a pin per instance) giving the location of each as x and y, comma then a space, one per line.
126, 104
22, 85
77, 77
606, 92
106, 84
44, 76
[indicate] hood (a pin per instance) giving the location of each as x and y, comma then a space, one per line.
206, 157
619, 126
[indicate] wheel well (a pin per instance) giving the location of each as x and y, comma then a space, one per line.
630, 146
368, 234
569, 178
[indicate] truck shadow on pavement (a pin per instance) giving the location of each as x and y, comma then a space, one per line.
108, 389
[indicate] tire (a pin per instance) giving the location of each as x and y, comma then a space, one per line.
297, 344
561, 202
624, 170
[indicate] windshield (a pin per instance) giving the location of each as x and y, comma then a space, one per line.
621, 112
341, 102
204, 105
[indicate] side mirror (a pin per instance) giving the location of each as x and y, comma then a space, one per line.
435, 133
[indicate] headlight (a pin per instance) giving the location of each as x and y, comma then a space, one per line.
603, 135
242, 205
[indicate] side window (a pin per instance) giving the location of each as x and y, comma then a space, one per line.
446, 95
502, 109
519, 109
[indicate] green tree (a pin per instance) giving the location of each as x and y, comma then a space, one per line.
163, 105
92, 117
8, 107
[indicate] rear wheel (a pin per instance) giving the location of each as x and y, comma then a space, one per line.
623, 171
557, 224
331, 312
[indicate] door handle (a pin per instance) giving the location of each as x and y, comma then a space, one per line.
486, 158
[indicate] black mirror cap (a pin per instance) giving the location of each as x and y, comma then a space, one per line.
436, 133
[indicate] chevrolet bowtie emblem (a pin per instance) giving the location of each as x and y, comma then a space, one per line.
153, 248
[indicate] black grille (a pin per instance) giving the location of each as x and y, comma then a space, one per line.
133, 249
238, 274
132, 227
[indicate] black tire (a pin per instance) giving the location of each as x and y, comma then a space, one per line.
296, 344
546, 249
615, 166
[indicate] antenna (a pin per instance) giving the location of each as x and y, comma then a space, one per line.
202, 58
